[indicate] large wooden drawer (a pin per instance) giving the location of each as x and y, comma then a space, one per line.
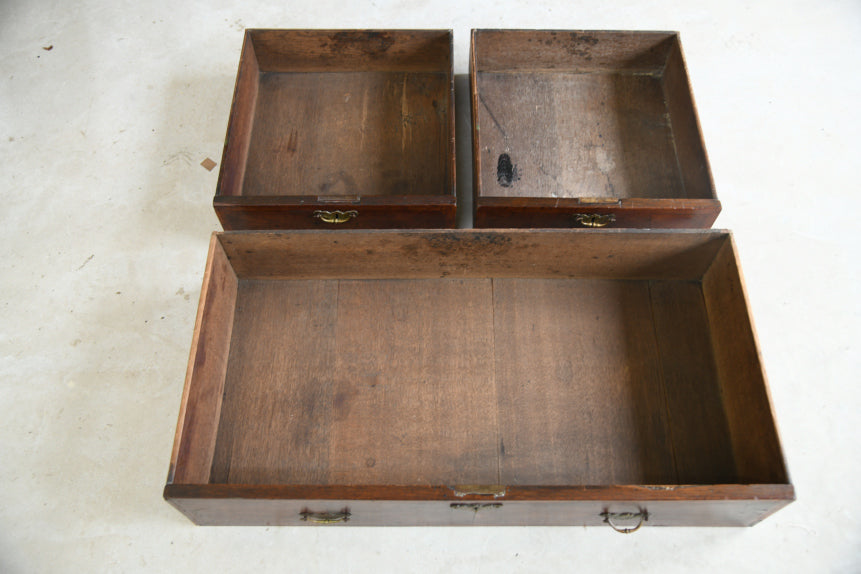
340, 129
586, 129
551, 377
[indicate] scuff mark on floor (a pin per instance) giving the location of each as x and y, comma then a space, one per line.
90, 258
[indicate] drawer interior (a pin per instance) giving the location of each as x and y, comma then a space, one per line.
551, 358
341, 114
460, 381
585, 115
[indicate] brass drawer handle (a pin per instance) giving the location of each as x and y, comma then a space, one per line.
475, 506
325, 517
335, 216
595, 219
609, 517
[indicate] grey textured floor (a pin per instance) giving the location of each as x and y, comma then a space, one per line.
107, 110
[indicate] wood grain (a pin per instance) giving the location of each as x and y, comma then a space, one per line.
576, 135
751, 422
313, 362
415, 395
572, 50
687, 135
525, 493
349, 134
607, 254
580, 391
238, 138
347, 50
200, 410
278, 388
701, 443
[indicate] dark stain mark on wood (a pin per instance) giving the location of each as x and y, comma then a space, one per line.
611, 189
492, 117
506, 172
372, 44
447, 244
345, 180
576, 44
292, 142
581, 45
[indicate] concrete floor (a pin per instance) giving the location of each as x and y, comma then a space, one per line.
106, 216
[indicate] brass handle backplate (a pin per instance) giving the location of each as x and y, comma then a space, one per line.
325, 517
609, 517
595, 219
335, 216
475, 506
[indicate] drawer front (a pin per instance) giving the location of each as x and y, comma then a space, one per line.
323, 216
620, 515
626, 214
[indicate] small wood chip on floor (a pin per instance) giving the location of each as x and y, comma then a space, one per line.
208, 164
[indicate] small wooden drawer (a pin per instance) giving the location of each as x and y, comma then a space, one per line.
355, 122
586, 129
521, 377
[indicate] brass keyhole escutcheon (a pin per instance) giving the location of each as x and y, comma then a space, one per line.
595, 219
476, 506
336, 216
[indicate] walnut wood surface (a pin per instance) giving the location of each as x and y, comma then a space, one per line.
350, 115
608, 254
374, 212
317, 361
346, 50
392, 366
238, 138
752, 426
278, 384
702, 449
200, 410
349, 134
579, 114
570, 135
580, 393
713, 505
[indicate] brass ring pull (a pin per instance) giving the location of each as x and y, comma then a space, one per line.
643, 515
325, 517
335, 216
595, 219
475, 506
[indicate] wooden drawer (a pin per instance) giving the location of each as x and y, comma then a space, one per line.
586, 128
540, 377
327, 119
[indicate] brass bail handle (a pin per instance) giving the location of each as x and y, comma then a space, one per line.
336, 216
325, 517
595, 219
609, 517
